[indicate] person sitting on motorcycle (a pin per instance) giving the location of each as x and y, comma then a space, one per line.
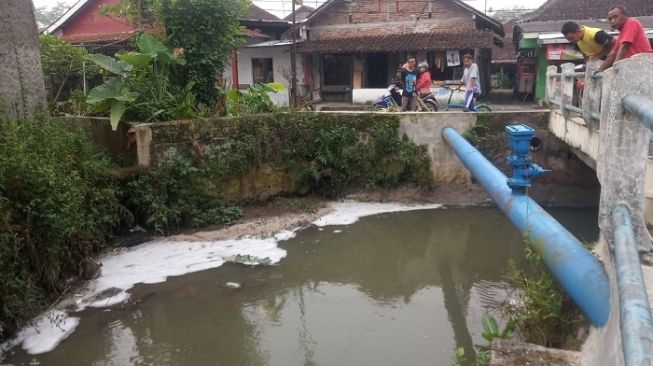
424, 81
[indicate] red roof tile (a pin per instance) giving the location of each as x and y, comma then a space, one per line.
587, 9
400, 42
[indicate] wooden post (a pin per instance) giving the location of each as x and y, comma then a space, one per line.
235, 83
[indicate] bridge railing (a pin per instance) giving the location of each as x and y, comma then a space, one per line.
575, 93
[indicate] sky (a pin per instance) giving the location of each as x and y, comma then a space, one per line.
282, 7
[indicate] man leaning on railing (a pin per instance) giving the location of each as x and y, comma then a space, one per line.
632, 38
594, 43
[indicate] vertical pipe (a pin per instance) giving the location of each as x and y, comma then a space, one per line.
575, 268
636, 322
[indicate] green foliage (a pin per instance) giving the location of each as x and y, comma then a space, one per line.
490, 327
141, 87
209, 32
543, 314
178, 194
256, 101
64, 64
483, 357
487, 138
328, 153
111, 96
56, 207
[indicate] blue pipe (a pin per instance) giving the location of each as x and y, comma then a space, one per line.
636, 321
575, 268
641, 107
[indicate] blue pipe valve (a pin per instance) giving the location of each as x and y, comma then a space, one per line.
523, 170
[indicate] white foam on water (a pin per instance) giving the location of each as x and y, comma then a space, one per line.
284, 235
155, 261
348, 212
47, 331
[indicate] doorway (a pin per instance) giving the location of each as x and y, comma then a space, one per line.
376, 70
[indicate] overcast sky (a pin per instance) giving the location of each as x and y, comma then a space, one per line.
282, 7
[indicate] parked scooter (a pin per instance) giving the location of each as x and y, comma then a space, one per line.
390, 99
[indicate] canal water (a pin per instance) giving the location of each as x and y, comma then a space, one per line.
396, 288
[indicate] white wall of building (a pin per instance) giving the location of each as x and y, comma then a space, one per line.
280, 56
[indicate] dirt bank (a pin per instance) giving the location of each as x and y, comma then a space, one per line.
267, 218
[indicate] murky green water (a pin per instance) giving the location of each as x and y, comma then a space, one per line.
393, 289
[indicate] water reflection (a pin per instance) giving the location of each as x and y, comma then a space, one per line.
392, 289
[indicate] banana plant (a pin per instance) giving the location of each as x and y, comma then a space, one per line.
149, 64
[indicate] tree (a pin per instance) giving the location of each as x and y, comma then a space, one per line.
46, 16
22, 87
66, 63
209, 32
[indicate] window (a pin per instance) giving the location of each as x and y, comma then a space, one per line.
262, 71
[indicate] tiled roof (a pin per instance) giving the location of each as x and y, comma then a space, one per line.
98, 37
254, 33
587, 9
256, 13
507, 52
553, 26
400, 42
300, 14
491, 22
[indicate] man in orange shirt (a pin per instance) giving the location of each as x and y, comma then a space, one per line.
632, 38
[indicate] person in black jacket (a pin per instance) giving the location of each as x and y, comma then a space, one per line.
409, 78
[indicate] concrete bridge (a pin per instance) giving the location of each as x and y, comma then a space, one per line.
607, 120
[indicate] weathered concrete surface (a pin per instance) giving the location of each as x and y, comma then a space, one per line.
619, 151
576, 134
22, 87
261, 183
425, 129
624, 147
516, 353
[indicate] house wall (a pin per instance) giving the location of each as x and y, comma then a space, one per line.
89, 21
280, 66
366, 17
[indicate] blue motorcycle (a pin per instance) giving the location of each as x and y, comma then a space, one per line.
390, 99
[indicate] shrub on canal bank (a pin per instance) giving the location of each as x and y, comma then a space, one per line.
57, 206
544, 315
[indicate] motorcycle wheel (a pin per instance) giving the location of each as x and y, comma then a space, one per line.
483, 108
431, 105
